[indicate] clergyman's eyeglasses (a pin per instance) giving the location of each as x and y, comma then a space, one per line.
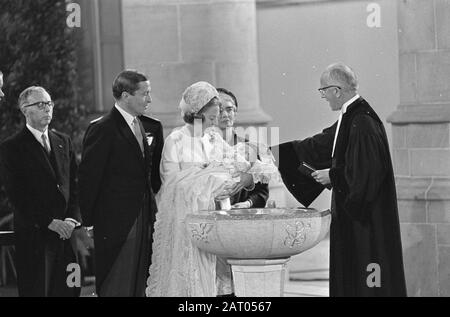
323, 89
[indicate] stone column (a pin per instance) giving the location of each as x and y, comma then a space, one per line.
421, 145
179, 42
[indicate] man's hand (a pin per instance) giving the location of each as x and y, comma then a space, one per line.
72, 226
322, 176
63, 228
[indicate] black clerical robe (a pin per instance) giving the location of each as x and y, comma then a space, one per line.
365, 244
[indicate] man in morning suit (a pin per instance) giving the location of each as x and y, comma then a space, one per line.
116, 196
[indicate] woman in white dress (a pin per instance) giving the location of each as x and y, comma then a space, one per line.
188, 186
197, 166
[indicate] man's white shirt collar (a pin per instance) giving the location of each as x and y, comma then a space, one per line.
348, 103
38, 135
128, 117
343, 110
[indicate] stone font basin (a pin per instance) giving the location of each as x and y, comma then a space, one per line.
258, 233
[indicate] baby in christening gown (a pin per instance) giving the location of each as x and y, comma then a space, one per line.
244, 157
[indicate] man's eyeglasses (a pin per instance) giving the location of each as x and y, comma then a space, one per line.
322, 90
41, 105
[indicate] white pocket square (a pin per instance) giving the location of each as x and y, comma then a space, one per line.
149, 140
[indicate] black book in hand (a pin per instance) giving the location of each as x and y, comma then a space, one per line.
307, 170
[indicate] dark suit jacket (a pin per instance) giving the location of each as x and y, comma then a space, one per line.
258, 195
41, 188
115, 185
153, 129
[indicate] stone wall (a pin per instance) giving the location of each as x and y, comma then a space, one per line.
421, 144
178, 42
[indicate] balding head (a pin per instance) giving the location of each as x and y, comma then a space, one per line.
342, 76
338, 84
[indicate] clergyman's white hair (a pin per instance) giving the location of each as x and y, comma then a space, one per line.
343, 75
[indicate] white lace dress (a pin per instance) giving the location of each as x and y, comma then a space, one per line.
194, 170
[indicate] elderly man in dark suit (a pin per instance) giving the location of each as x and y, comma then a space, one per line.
39, 170
116, 194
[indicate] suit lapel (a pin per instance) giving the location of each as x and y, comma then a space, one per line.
126, 132
37, 152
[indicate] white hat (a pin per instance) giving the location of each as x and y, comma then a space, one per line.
196, 96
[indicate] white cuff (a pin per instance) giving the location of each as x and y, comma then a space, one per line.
76, 223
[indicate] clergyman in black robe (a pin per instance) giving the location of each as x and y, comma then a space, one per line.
365, 244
